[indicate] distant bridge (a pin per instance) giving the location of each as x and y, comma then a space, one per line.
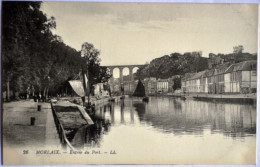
129, 85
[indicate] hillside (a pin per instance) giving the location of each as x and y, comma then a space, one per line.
174, 64
190, 62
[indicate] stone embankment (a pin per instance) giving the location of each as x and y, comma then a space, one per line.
31, 124
217, 97
24, 125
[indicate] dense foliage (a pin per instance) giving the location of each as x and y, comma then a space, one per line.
176, 83
235, 57
34, 59
173, 64
190, 62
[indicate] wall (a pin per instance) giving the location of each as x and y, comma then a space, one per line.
246, 76
197, 86
253, 79
235, 87
227, 83
162, 86
249, 79
206, 85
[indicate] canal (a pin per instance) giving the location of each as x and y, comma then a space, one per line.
171, 130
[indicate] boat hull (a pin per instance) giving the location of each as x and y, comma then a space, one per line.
143, 99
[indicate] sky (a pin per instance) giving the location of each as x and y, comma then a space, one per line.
136, 33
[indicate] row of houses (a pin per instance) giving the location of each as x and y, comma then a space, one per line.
155, 86
226, 78
152, 86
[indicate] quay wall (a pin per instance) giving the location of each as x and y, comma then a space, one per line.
205, 96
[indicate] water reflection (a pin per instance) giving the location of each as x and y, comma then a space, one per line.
122, 111
236, 120
91, 135
140, 109
168, 116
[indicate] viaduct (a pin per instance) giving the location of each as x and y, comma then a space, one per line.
129, 84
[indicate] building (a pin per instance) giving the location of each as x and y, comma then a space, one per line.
193, 82
162, 85
210, 86
153, 86
150, 85
219, 82
225, 78
99, 90
241, 77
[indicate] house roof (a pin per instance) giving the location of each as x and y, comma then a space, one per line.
198, 75
242, 66
221, 69
187, 76
195, 75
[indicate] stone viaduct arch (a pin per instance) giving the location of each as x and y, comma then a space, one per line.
129, 84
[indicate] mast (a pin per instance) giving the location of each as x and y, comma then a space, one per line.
85, 75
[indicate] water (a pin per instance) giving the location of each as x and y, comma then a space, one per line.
170, 130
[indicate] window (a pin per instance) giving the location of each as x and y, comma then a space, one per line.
253, 73
233, 76
253, 66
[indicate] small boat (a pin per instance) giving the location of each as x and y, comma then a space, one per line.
90, 109
140, 91
186, 97
146, 99
111, 99
183, 97
82, 89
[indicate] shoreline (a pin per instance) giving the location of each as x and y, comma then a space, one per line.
252, 96
228, 98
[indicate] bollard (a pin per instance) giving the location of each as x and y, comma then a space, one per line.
32, 121
39, 107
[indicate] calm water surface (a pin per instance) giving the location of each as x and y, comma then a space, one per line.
171, 128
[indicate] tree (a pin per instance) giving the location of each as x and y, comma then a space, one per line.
176, 83
91, 63
33, 58
238, 49
26, 32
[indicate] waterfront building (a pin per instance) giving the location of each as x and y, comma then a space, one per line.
204, 83
210, 86
162, 85
241, 77
184, 82
194, 82
99, 90
219, 82
150, 85
225, 78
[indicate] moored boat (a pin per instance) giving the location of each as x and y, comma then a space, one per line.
112, 99
140, 92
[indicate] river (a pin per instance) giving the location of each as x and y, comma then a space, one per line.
171, 130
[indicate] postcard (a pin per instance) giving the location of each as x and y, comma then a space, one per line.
129, 83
